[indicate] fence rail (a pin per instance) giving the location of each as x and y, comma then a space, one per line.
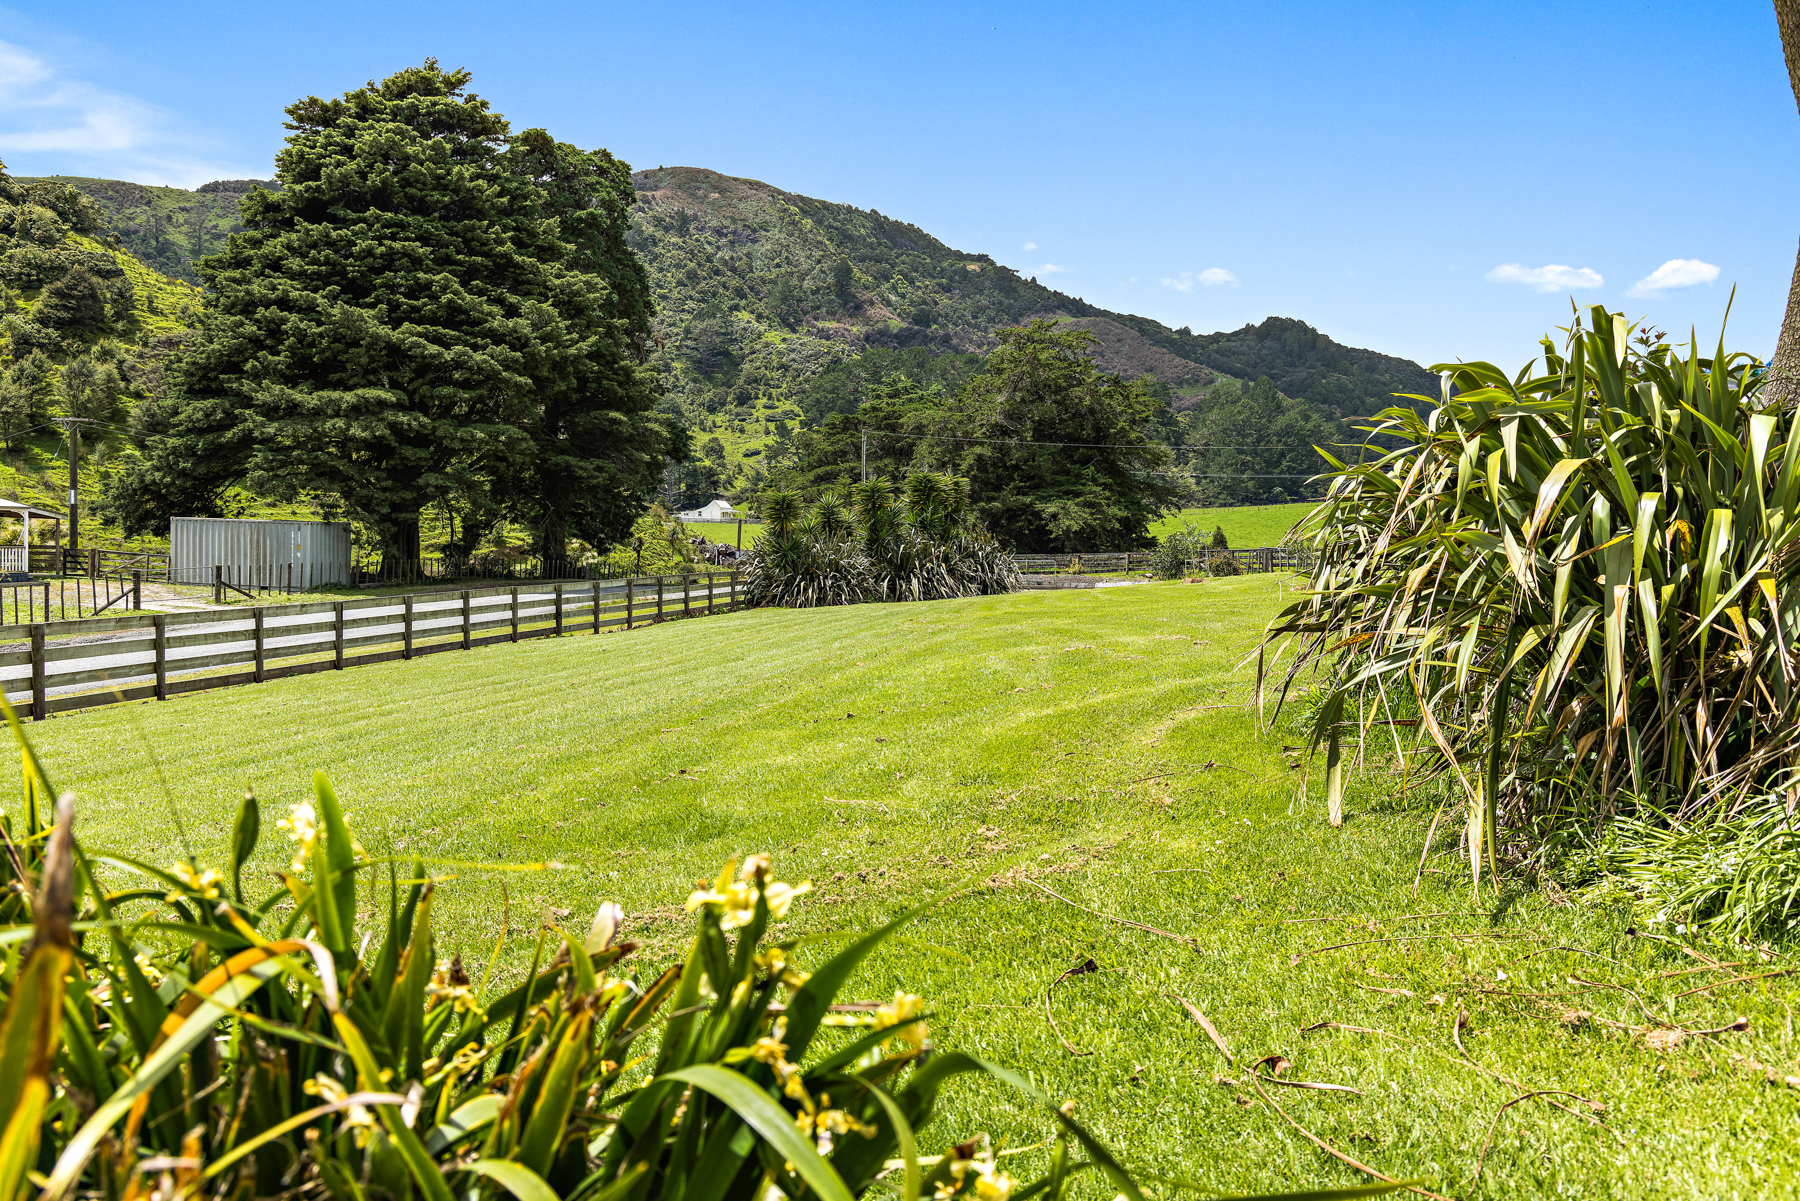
1251, 558
69, 665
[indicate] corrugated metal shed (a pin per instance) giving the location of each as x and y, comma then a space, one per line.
259, 552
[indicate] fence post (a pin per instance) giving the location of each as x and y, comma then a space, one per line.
659, 598
465, 616
93, 562
687, 595
290, 586
137, 588
515, 613
406, 637
218, 584
159, 624
37, 670
628, 586
559, 611
337, 634
596, 606
257, 616
732, 607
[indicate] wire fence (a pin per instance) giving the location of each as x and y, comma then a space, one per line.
69, 597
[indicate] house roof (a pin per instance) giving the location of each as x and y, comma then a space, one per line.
20, 507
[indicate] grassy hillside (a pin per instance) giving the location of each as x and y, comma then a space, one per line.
86, 330
1093, 744
168, 228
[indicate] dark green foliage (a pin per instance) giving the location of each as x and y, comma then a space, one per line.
405, 323
1300, 360
594, 450
1180, 553
237, 187
26, 390
91, 389
844, 388
70, 289
1039, 387
875, 546
1218, 538
168, 228
1247, 445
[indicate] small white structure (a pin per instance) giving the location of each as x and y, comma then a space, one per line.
15, 560
259, 553
718, 510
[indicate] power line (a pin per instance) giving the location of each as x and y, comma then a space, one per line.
1089, 445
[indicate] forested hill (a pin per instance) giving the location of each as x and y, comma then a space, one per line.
718, 246
167, 228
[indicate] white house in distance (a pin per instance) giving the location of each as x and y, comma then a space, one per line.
718, 510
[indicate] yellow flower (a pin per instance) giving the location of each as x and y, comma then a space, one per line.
991, 1184
205, 883
450, 983
735, 900
776, 963
302, 825
905, 1008
357, 1117
151, 972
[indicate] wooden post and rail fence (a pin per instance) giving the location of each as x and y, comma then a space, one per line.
65, 665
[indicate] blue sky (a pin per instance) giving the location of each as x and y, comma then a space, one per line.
1429, 180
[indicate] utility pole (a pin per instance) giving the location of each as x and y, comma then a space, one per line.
72, 427
865, 461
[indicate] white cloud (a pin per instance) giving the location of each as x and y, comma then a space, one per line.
1676, 273
63, 123
1212, 277
1049, 269
1029, 246
1552, 278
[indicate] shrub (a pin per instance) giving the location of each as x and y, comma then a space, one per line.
1224, 563
1179, 553
658, 546
875, 546
1584, 574
238, 1049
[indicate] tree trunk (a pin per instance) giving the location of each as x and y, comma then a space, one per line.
402, 549
1783, 384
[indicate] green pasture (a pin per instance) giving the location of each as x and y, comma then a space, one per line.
976, 756
1246, 525
723, 531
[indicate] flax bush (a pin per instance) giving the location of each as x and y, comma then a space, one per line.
1584, 582
923, 544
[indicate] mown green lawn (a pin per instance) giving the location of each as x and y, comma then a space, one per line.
1094, 743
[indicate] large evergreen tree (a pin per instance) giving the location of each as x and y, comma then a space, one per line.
1055, 450
429, 311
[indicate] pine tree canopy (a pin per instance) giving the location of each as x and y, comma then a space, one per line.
432, 310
